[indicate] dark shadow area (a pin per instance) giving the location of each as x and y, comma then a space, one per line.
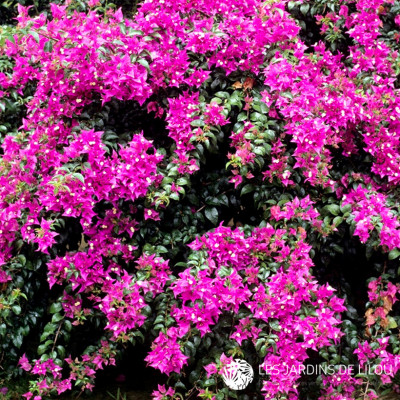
69, 236
343, 264
131, 372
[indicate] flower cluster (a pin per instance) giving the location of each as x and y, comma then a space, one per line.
136, 136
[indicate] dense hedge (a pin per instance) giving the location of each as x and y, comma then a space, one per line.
9, 8
201, 181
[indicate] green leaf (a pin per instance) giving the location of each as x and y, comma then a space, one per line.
55, 308
289, 95
223, 95
35, 35
50, 328
191, 348
241, 117
280, 11
41, 349
161, 249
182, 181
212, 201
22, 259
346, 208
180, 385
44, 336
11, 38
174, 196
16, 309
61, 351
17, 340
392, 323
332, 209
212, 214
68, 325
394, 254
304, 8
145, 64
158, 327
247, 189
197, 122
275, 325
134, 32
48, 46
79, 176
122, 27
57, 318
337, 221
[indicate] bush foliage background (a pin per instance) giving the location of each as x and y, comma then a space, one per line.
233, 174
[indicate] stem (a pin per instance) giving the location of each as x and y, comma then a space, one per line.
48, 37
366, 391
55, 339
201, 208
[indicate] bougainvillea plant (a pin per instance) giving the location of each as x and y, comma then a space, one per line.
208, 181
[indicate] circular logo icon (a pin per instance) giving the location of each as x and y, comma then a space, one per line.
237, 374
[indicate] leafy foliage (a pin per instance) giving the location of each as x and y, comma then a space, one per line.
208, 182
